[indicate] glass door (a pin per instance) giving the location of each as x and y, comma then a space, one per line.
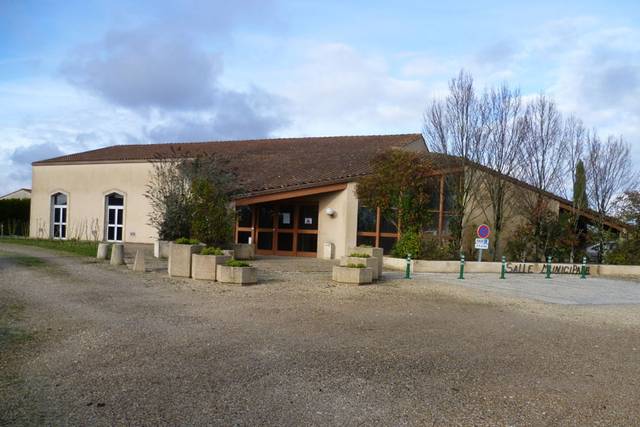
264, 237
115, 217
285, 230
59, 216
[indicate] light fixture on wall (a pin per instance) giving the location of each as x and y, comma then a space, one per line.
330, 211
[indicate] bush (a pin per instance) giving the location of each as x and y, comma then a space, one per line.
359, 255
236, 263
212, 217
186, 241
14, 216
351, 265
410, 242
209, 250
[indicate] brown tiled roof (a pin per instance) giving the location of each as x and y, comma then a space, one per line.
265, 165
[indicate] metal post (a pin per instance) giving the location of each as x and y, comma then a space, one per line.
583, 270
504, 267
479, 255
461, 267
407, 272
548, 276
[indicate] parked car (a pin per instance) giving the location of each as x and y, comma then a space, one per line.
594, 250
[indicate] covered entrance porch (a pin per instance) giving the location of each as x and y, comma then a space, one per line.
293, 223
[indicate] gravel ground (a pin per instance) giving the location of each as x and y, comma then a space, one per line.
110, 346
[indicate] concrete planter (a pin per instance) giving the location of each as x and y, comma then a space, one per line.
180, 259
372, 252
238, 275
229, 252
161, 248
370, 262
203, 267
358, 276
244, 251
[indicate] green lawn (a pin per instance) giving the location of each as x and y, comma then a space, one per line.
77, 247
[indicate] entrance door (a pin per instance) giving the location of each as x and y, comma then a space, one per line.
59, 230
288, 228
115, 217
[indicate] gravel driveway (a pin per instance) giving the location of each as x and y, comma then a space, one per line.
110, 346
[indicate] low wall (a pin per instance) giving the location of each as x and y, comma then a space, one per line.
423, 266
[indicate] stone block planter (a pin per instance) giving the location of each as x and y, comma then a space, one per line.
357, 276
372, 252
161, 248
203, 267
237, 275
370, 262
229, 252
244, 251
180, 259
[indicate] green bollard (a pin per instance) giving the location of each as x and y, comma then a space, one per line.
461, 267
407, 271
583, 270
504, 267
548, 276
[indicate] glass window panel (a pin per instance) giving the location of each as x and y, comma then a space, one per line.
64, 214
434, 200
387, 225
307, 242
243, 236
450, 188
112, 216
285, 217
115, 200
120, 213
110, 233
308, 217
63, 231
265, 240
366, 219
244, 216
119, 233
387, 244
449, 221
56, 231
366, 240
265, 216
56, 215
59, 199
285, 241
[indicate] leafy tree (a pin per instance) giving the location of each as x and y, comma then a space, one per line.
190, 197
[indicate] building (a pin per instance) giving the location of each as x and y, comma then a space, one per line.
21, 193
298, 193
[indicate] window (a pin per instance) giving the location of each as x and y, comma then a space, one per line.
374, 229
115, 217
59, 216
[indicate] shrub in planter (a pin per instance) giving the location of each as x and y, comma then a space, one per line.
180, 253
364, 260
235, 271
358, 274
376, 253
205, 264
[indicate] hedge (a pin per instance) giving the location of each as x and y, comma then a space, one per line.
14, 216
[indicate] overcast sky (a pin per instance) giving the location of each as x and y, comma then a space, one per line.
78, 75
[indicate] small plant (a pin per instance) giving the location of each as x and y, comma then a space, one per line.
236, 263
356, 265
359, 255
186, 241
209, 250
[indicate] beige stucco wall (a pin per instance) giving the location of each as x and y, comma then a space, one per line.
340, 229
86, 186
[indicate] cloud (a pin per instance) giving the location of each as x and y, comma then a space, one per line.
254, 114
139, 69
22, 157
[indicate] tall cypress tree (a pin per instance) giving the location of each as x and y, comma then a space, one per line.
580, 200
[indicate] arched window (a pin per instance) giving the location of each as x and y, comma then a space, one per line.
115, 217
59, 216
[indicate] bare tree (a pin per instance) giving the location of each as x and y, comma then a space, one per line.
543, 166
609, 173
456, 126
506, 131
575, 138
